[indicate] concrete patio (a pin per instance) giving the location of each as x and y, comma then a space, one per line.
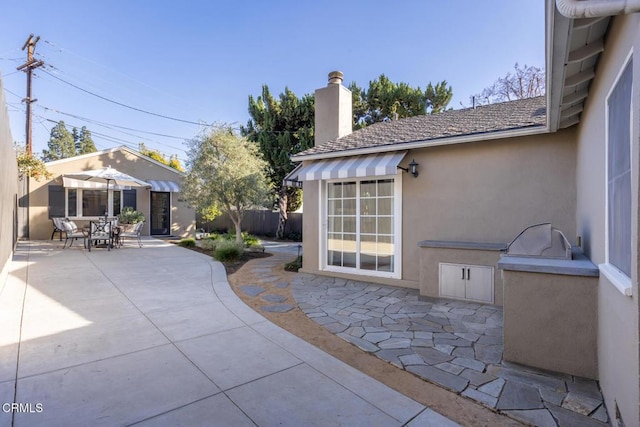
155, 336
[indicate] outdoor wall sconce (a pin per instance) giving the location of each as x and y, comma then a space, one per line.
412, 169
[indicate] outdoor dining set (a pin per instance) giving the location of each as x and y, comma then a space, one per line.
105, 232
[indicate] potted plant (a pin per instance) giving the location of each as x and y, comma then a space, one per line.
128, 217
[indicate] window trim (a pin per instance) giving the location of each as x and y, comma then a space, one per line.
615, 276
397, 227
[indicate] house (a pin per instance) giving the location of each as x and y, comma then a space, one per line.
165, 213
483, 175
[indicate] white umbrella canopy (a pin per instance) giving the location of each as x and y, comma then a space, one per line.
106, 175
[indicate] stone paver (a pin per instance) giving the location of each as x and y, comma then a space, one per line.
274, 298
252, 290
277, 308
455, 344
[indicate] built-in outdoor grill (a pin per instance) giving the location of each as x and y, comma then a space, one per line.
540, 240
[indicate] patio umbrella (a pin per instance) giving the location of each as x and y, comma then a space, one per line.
106, 175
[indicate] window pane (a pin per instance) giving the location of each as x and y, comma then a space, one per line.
619, 173
335, 207
368, 189
335, 191
385, 187
349, 224
385, 206
385, 225
72, 202
385, 263
335, 224
349, 206
349, 250
368, 252
349, 189
385, 245
368, 225
94, 202
368, 207
116, 202
334, 242
56, 201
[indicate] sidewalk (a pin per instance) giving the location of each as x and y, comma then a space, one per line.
155, 336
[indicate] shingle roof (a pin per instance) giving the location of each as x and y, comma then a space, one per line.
520, 114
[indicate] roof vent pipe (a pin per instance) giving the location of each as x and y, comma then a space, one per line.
575, 9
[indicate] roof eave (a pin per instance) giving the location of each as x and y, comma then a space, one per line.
558, 33
510, 133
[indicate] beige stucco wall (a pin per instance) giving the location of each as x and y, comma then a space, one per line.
8, 188
562, 305
182, 216
430, 259
618, 327
483, 192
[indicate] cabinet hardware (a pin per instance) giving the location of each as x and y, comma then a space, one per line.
468, 274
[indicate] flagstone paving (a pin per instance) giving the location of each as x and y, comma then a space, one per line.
455, 344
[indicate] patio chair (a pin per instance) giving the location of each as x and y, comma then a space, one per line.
57, 227
133, 234
72, 232
100, 231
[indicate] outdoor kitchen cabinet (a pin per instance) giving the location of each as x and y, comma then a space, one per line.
468, 282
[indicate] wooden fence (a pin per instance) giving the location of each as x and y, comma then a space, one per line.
260, 222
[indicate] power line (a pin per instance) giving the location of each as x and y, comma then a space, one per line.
125, 105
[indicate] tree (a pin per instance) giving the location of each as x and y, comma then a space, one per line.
281, 127
159, 157
385, 100
227, 171
61, 144
30, 166
524, 82
83, 141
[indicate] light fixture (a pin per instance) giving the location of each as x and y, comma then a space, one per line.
412, 169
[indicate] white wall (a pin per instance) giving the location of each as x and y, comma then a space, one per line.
618, 331
8, 188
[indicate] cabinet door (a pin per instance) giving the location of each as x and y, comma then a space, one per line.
452, 280
479, 283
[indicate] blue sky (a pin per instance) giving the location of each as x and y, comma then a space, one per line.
200, 60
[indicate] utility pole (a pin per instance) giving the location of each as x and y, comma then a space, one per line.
28, 67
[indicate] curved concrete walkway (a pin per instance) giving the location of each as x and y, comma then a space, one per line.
155, 336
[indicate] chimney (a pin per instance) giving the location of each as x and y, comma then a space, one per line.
334, 112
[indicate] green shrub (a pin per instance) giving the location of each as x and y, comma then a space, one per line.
209, 244
250, 241
227, 251
188, 243
294, 265
130, 216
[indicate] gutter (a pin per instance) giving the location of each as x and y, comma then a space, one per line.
575, 9
533, 130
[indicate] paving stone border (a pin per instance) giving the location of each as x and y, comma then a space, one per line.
455, 344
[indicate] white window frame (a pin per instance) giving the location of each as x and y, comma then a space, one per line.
615, 276
80, 213
397, 227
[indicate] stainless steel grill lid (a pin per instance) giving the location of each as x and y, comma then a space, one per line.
540, 240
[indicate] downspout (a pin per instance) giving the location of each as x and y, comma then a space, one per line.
575, 9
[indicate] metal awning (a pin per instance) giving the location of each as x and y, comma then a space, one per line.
346, 167
164, 186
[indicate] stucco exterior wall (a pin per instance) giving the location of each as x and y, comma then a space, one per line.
618, 327
484, 191
8, 188
564, 304
182, 216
